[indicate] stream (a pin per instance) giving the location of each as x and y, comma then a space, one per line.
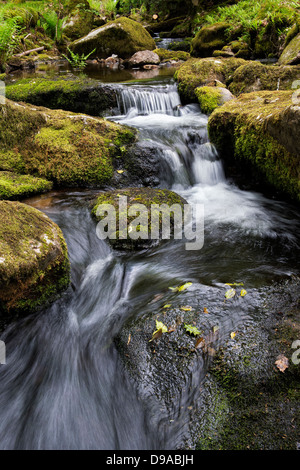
64, 385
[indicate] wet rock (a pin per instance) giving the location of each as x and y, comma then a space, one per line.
129, 233
82, 95
141, 58
257, 132
231, 365
34, 265
123, 37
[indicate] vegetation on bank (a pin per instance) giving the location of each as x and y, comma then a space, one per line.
247, 29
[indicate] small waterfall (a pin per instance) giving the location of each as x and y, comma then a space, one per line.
149, 100
187, 157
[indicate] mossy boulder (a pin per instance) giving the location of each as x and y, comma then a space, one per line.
209, 97
291, 53
166, 55
82, 95
34, 264
135, 197
123, 37
204, 72
209, 39
255, 76
259, 133
66, 148
13, 186
79, 24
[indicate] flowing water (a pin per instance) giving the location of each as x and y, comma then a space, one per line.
64, 385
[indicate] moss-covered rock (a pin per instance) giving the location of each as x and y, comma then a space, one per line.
209, 39
166, 55
66, 148
255, 76
123, 239
210, 98
259, 132
13, 186
204, 72
78, 25
34, 265
122, 37
82, 95
291, 53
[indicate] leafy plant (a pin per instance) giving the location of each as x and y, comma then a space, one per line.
78, 61
9, 37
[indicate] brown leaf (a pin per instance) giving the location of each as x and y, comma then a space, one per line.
129, 339
200, 343
156, 335
171, 329
282, 362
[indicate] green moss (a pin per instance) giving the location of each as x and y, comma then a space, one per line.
204, 72
290, 55
14, 186
208, 98
65, 148
208, 39
255, 76
145, 196
255, 129
77, 95
166, 55
123, 37
34, 263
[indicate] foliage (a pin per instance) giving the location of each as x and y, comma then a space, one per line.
76, 60
9, 31
192, 330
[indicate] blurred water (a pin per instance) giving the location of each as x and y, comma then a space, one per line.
64, 385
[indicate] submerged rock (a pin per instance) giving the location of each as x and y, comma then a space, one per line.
224, 363
66, 148
259, 133
123, 37
139, 202
34, 265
